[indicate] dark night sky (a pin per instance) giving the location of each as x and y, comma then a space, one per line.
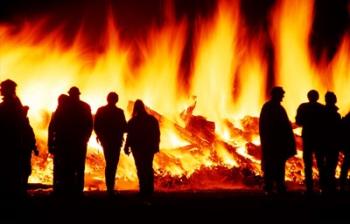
132, 13
134, 16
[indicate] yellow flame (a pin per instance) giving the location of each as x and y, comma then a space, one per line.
229, 78
292, 22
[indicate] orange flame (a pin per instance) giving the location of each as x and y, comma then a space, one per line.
228, 78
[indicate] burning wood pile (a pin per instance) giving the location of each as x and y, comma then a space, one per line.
181, 56
244, 169
204, 160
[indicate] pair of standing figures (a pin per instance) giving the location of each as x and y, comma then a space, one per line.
70, 129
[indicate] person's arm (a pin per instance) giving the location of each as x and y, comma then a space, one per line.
97, 125
299, 117
127, 146
127, 142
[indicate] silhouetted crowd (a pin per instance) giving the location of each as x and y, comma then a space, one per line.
70, 128
324, 134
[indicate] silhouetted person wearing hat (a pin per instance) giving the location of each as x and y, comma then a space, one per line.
332, 140
277, 141
143, 138
310, 117
110, 125
15, 131
72, 129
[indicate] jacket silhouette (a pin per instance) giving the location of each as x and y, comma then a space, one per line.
56, 145
110, 126
29, 147
143, 138
277, 141
16, 139
71, 127
310, 116
331, 140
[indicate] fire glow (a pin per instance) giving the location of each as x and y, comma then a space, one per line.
228, 78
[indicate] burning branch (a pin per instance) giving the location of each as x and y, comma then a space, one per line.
182, 132
194, 133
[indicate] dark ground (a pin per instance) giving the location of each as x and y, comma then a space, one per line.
180, 207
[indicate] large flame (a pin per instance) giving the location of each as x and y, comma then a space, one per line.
228, 79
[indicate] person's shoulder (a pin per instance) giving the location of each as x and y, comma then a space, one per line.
320, 105
85, 105
347, 115
119, 110
304, 105
266, 105
132, 120
346, 118
152, 118
153, 121
101, 110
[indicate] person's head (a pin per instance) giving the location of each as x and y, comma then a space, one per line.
139, 108
112, 98
313, 96
62, 99
74, 92
8, 88
330, 98
277, 93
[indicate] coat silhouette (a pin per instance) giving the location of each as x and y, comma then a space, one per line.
110, 125
331, 140
56, 145
16, 139
310, 116
29, 146
277, 141
72, 126
143, 138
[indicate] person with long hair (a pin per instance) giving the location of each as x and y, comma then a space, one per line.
143, 137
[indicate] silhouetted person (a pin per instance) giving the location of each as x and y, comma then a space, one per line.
310, 117
29, 147
332, 140
277, 141
110, 125
346, 151
143, 138
14, 128
56, 144
72, 129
